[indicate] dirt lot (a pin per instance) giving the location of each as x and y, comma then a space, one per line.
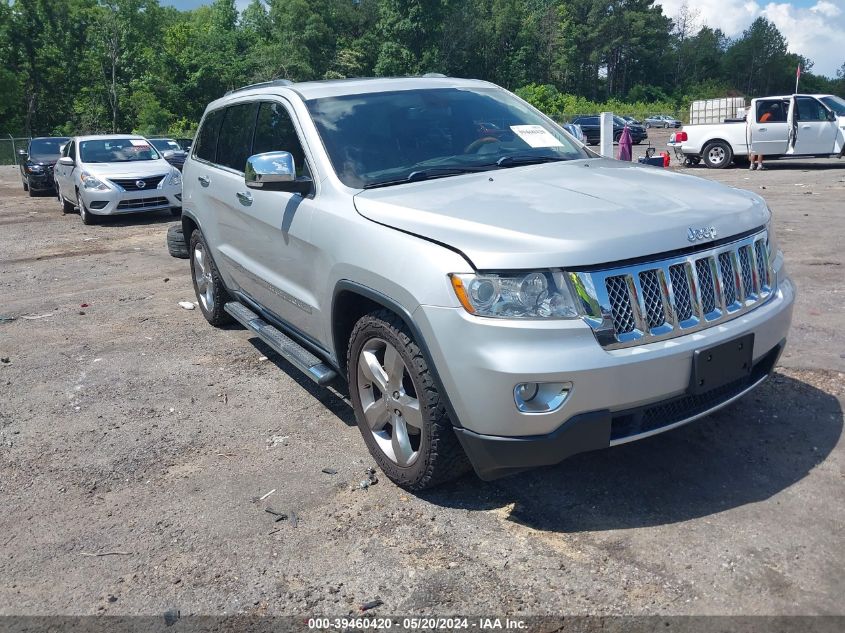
131, 429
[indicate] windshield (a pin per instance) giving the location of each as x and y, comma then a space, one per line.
836, 104
46, 146
116, 150
165, 144
387, 137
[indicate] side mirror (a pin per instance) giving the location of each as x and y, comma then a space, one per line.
23, 153
275, 171
67, 161
831, 115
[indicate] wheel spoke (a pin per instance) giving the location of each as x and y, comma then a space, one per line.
199, 259
410, 409
401, 443
373, 370
377, 415
394, 367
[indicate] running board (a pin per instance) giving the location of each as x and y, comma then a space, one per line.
289, 349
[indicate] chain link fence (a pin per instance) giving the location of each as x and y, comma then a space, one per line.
9, 146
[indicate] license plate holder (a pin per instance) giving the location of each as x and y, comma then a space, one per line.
721, 364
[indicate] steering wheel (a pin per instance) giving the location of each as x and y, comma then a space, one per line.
472, 148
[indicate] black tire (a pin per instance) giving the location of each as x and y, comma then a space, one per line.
176, 212
67, 207
717, 155
176, 244
213, 313
32, 193
25, 185
88, 218
440, 457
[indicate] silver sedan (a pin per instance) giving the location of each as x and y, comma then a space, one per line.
116, 174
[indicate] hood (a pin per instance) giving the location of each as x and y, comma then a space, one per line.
136, 169
571, 214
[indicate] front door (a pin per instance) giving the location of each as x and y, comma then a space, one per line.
814, 132
769, 129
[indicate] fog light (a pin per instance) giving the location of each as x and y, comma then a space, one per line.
543, 397
98, 204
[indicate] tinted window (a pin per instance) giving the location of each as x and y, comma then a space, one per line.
234, 145
836, 104
771, 111
206, 145
810, 110
587, 120
274, 132
46, 146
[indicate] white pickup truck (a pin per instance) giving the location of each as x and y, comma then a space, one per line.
787, 126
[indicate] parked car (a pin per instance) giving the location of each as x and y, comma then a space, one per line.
185, 143
115, 174
632, 120
592, 129
791, 126
38, 161
662, 120
493, 296
170, 150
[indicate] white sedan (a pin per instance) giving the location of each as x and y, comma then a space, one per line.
115, 174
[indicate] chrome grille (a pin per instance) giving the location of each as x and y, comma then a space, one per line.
653, 298
620, 303
680, 285
745, 268
728, 279
131, 184
705, 285
669, 297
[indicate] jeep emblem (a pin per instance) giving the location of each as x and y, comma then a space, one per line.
706, 233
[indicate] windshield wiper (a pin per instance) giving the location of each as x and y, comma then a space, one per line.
526, 159
427, 174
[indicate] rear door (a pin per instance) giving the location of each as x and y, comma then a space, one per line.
768, 128
813, 131
269, 232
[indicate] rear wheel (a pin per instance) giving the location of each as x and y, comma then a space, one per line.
398, 406
176, 245
25, 185
717, 155
208, 286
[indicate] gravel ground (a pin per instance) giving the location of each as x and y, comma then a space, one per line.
138, 446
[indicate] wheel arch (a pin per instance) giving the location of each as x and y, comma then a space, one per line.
350, 302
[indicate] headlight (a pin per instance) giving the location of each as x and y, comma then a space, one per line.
176, 178
90, 182
543, 294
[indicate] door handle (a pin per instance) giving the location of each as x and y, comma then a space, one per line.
762, 129
245, 198
805, 127
204, 180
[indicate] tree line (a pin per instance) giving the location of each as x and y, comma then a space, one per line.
74, 66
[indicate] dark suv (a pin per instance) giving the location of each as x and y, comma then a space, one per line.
592, 130
37, 163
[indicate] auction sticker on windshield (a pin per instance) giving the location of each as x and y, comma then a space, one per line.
138, 143
536, 136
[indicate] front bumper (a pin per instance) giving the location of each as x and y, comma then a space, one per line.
480, 361
113, 202
41, 181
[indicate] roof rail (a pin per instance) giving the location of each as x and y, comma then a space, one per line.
262, 84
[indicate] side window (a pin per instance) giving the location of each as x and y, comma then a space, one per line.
275, 132
205, 147
771, 111
810, 110
70, 149
234, 144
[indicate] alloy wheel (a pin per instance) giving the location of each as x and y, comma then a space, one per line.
203, 278
389, 401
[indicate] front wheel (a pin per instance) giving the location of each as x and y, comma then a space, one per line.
88, 218
398, 407
717, 155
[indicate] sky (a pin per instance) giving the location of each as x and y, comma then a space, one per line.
813, 28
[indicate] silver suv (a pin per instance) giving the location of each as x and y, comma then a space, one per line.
494, 294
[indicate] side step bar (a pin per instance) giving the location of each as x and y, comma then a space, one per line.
292, 351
